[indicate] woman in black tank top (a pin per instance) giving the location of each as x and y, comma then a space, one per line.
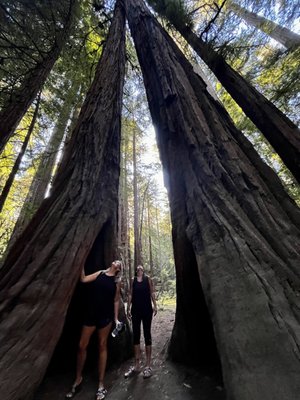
140, 309
102, 310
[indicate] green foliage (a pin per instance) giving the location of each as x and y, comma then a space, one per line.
74, 68
28, 32
153, 202
264, 149
166, 302
21, 184
174, 10
279, 80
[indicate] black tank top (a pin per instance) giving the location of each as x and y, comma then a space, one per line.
141, 297
101, 296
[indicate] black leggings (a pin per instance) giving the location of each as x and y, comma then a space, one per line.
136, 327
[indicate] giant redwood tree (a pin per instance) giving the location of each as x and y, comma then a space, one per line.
39, 59
235, 231
277, 128
41, 270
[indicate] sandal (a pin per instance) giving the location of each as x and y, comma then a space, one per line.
131, 370
101, 393
147, 372
74, 390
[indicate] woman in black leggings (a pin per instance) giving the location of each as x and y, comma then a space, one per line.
140, 309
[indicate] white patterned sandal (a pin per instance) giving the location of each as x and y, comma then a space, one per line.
101, 393
74, 390
147, 372
131, 370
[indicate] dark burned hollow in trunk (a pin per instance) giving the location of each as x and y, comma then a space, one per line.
193, 340
102, 253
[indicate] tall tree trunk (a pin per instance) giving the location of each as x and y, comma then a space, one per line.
158, 237
229, 226
127, 254
281, 133
282, 35
149, 238
126, 216
122, 223
18, 103
15, 169
41, 180
43, 267
137, 241
130, 264
75, 115
142, 211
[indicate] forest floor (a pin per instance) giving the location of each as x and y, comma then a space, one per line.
169, 380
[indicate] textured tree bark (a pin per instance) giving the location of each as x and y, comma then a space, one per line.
12, 112
41, 271
15, 169
229, 221
282, 35
279, 130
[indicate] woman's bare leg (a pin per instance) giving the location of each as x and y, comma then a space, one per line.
148, 355
137, 356
86, 334
102, 340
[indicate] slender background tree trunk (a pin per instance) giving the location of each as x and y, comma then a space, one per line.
42, 178
126, 216
149, 238
15, 169
137, 241
282, 35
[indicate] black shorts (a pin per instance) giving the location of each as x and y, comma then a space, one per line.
98, 321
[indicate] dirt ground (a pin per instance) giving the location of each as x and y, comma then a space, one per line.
169, 380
